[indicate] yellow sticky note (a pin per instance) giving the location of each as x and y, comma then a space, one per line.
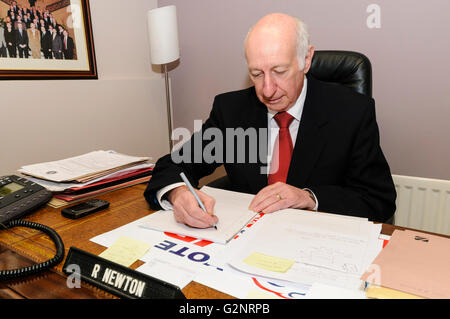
387, 293
267, 262
125, 251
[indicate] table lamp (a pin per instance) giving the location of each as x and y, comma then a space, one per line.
164, 48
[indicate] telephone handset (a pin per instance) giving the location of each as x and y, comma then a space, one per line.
19, 197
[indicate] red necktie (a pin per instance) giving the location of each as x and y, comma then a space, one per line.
282, 150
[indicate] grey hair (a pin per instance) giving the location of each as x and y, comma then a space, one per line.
302, 45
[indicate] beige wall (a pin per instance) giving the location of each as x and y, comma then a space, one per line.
3, 9
409, 55
63, 16
123, 110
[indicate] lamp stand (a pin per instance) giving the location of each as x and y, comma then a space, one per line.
169, 113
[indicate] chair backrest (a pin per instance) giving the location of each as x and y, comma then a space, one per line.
348, 68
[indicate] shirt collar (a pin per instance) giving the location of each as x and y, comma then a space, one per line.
297, 109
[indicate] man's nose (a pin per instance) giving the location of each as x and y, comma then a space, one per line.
270, 86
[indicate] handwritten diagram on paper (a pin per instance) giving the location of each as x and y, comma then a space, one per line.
325, 249
332, 251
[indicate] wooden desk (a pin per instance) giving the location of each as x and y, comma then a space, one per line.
21, 247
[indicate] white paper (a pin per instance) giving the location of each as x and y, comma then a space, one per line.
322, 291
231, 208
326, 249
177, 274
70, 169
240, 285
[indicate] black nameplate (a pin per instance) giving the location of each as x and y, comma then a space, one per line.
117, 279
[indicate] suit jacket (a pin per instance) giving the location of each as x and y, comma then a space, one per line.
46, 22
34, 40
27, 23
46, 41
56, 43
68, 53
337, 152
21, 39
10, 37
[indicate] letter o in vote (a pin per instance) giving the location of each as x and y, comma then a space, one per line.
203, 257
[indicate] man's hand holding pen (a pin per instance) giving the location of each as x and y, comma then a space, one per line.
188, 211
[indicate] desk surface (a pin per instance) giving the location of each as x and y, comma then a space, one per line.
20, 247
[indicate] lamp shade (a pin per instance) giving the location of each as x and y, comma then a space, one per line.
163, 34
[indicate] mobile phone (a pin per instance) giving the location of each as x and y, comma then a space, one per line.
84, 209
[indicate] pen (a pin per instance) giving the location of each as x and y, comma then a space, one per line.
186, 181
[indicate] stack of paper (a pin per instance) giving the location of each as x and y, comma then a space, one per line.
414, 264
80, 177
306, 247
82, 168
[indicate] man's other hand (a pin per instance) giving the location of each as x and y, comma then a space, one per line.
280, 196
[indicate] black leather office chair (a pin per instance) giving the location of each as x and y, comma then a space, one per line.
348, 68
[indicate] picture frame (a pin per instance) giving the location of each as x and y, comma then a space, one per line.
71, 57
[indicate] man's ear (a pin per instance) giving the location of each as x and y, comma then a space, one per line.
308, 59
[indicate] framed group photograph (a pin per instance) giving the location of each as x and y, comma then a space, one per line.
46, 39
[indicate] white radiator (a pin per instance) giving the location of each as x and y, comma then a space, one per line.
423, 203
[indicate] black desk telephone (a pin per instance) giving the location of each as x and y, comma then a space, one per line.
18, 197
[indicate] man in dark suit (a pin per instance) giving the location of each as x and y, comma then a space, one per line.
46, 20
22, 41
46, 43
10, 38
327, 155
67, 45
56, 44
27, 21
13, 19
13, 8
